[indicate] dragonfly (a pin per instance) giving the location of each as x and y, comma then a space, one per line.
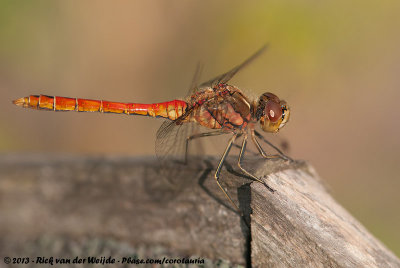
217, 106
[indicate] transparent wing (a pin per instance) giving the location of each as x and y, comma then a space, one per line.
195, 81
172, 174
171, 140
224, 78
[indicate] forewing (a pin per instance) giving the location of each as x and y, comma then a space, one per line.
224, 78
195, 81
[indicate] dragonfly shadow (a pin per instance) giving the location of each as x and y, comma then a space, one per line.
180, 181
242, 190
207, 183
173, 177
166, 181
201, 182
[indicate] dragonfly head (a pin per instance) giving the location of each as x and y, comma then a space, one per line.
272, 112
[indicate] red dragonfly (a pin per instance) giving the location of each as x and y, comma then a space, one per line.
215, 105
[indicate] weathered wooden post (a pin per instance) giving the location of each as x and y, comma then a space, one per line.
70, 200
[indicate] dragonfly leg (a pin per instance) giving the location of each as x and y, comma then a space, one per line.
217, 172
242, 150
262, 152
200, 135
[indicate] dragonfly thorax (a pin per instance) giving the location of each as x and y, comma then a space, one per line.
272, 112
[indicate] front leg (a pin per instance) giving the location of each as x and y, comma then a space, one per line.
263, 153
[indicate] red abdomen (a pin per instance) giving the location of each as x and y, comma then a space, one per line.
170, 109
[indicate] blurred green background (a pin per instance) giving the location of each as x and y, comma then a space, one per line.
336, 63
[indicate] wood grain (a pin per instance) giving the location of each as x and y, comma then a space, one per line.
129, 200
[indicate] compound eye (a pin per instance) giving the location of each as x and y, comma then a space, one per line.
273, 110
271, 97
